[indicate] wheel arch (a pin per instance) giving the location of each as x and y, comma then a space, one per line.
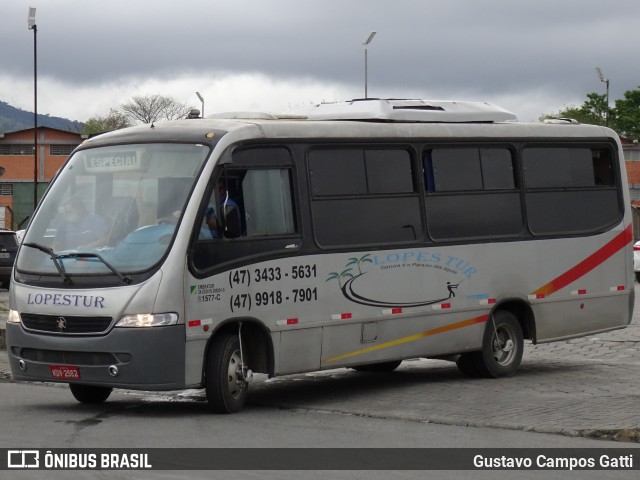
523, 312
257, 344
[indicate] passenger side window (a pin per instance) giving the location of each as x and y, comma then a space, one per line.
570, 189
250, 203
363, 196
460, 169
250, 211
471, 193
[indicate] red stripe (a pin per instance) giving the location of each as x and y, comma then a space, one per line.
588, 264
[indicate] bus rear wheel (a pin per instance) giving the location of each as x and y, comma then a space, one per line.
502, 346
90, 393
225, 384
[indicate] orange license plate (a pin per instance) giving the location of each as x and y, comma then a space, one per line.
65, 372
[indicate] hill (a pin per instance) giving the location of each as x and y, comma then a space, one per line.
12, 119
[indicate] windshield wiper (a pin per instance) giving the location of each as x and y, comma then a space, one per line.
65, 276
60, 267
77, 255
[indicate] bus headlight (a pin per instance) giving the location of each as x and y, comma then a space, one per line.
148, 320
13, 317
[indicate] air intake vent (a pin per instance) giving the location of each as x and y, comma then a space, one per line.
396, 110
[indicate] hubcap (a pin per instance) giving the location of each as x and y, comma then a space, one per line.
235, 379
504, 349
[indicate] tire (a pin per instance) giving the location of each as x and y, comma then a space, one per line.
90, 393
378, 367
502, 346
225, 385
467, 364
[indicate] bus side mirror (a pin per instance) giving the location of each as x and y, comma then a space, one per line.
232, 227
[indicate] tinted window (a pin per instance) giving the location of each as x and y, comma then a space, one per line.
456, 169
8, 240
558, 167
460, 169
570, 190
388, 171
377, 202
359, 172
485, 215
337, 172
497, 169
472, 193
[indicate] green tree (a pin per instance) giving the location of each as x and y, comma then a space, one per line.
113, 121
628, 114
594, 111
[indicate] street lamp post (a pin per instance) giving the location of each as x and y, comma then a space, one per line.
202, 102
31, 23
606, 81
366, 44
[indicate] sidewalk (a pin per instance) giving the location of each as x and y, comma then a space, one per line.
587, 387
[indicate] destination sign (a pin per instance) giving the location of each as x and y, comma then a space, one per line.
112, 162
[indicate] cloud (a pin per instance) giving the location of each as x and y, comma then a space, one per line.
241, 54
225, 92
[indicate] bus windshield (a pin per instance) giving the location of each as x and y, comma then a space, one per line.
112, 209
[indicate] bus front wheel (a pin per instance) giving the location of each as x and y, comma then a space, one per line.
225, 384
502, 346
90, 393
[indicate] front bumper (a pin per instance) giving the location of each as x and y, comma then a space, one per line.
145, 358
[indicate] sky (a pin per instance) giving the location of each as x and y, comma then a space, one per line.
531, 57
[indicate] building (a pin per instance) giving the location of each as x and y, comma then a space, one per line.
632, 161
17, 169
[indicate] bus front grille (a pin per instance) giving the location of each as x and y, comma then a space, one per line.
65, 324
69, 358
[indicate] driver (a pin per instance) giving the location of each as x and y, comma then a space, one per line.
80, 228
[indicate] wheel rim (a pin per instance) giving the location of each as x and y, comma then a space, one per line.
235, 380
504, 345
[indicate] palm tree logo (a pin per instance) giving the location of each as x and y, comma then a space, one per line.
344, 274
359, 262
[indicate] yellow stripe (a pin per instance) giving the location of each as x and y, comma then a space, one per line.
411, 338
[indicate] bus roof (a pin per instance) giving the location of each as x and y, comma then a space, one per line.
390, 110
375, 118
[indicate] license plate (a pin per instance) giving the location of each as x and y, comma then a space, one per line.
65, 372
5, 255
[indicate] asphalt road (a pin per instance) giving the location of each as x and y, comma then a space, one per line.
585, 387
45, 416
